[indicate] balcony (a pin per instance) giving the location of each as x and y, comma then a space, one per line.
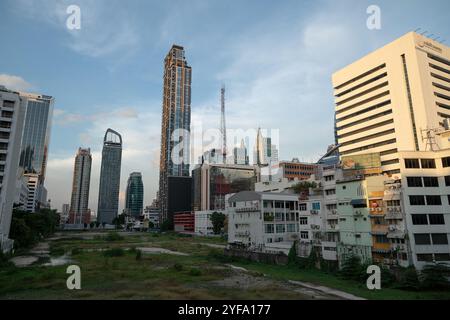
314, 211
247, 209
333, 228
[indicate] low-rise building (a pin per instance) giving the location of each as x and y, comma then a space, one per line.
184, 222
258, 219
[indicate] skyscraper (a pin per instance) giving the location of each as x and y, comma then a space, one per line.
79, 212
175, 124
240, 154
108, 195
34, 146
12, 112
134, 198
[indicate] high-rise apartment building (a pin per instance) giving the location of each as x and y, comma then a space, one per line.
175, 124
108, 195
35, 145
79, 211
12, 112
134, 197
396, 98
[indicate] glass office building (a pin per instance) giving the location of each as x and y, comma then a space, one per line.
134, 198
36, 134
108, 195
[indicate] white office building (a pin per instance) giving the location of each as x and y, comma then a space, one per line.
12, 112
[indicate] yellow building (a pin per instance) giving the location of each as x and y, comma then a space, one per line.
386, 101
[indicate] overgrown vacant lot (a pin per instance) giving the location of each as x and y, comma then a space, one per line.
192, 268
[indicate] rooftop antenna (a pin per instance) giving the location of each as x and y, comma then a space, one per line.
223, 129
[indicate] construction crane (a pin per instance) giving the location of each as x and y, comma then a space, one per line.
223, 129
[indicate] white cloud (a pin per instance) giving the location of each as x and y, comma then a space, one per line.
14, 82
105, 29
140, 152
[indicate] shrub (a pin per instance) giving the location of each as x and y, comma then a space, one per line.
76, 251
434, 276
113, 236
292, 256
351, 268
138, 254
195, 272
409, 279
114, 252
178, 267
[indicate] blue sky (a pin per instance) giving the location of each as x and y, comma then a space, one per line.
275, 58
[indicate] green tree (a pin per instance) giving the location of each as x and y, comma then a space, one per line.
304, 186
292, 255
119, 220
434, 276
218, 221
409, 279
351, 268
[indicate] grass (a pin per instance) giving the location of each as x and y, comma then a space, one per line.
333, 281
113, 270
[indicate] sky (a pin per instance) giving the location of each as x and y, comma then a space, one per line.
275, 59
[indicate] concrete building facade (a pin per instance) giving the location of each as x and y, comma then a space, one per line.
12, 113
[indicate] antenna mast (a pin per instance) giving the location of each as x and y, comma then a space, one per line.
223, 129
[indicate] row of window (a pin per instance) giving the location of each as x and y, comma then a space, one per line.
425, 163
425, 219
429, 257
430, 200
428, 239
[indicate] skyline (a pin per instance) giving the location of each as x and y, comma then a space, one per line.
259, 75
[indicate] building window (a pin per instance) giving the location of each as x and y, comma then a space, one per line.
302, 206
316, 205
304, 235
430, 182
417, 200
436, 218
422, 238
419, 219
439, 238
291, 227
425, 257
269, 240
303, 220
447, 181
330, 192
446, 162
269, 228
412, 163
414, 181
381, 239
442, 256
428, 163
434, 200
281, 228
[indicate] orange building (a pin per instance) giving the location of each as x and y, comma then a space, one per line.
297, 170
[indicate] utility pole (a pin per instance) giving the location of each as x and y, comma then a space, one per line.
223, 129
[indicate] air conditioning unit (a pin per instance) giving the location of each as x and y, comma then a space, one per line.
392, 228
446, 123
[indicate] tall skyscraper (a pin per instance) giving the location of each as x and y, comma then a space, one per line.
175, 124
134, 198
12, 112
79, 212
108, 195
34, 146
265, 153
240, 154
